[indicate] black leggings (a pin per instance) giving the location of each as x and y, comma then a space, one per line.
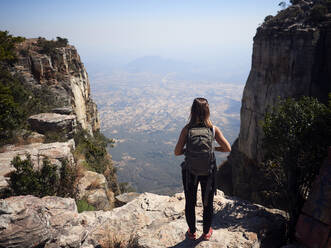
191, 199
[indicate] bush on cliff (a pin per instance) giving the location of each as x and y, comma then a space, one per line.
17, 101
297, 135
49, 46
47, 181
7, 47
94, 150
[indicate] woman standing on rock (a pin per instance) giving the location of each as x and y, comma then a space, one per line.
200, 164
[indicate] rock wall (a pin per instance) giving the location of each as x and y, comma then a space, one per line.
291, 58
64, 74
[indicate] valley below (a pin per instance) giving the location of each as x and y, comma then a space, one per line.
145, 112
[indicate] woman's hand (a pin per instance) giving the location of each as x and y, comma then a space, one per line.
219, 149
221, 140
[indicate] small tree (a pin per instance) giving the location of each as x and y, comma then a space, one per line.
7, 47
27, 180
297, 135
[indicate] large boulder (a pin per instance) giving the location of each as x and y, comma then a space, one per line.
55, 123
63, 74
93, 188
125, 198
28, 221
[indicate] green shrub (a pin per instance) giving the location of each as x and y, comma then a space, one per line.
53, 136
49, 46
28, 181
93, 149
82, 205
297, 135
67, 182
18, 102
7, 47
11, 115
47, 181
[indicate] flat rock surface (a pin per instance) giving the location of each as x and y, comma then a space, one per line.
51, 122
157, 221
52, 117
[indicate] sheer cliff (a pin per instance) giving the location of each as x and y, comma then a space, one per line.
47, 116
59, 68
291, 58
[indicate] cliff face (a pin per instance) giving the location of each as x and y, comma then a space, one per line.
57, 83
62, 71
291, 58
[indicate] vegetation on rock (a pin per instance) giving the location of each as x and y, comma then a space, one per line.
20, 98
49, 46
93, 150
47, 180
17, 102
111, 241
302, 13
297, 135
7, 47
82, 205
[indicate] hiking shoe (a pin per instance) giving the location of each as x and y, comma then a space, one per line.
206, 236
190, 235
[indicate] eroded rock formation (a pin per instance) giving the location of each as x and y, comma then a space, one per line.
63, 72
51, 122
92, 187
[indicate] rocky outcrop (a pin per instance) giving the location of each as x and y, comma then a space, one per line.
55, 152
27, 221
92, 187
125, 198
291, 58
53, 123
156, 221
62, 72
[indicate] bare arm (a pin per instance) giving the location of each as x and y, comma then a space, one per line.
221, 140
179, 149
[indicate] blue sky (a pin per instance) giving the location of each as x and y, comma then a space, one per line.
208, 31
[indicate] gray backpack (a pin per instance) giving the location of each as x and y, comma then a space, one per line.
199, 153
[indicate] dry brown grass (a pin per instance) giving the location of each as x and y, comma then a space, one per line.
117, 241
94, 185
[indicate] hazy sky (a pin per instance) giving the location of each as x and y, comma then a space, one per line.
122, 30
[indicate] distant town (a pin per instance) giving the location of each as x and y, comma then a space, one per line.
145, 113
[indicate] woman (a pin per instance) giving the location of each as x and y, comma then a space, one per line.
199, 118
